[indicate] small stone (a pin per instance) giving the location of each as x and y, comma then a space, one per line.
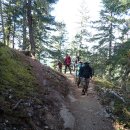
10, 96
46, 127
29, 114
6, 121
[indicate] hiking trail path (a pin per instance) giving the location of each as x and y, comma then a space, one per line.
87, 111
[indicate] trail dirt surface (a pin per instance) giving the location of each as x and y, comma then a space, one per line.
89, 114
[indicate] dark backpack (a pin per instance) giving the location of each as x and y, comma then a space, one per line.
87, 72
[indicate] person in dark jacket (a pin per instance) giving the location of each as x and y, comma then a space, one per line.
85, 74
60, 66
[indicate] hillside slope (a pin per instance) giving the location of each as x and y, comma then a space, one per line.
31, 94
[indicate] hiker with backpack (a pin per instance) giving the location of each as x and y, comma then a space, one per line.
67, 62
85, 73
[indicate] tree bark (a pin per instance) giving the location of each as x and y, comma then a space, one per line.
24, 46
110, 47
30, 24
1, 13
8, 26
14, 34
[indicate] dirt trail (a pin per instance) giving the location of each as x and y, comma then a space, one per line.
87, 111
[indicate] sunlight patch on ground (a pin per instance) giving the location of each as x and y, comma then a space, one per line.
68, 118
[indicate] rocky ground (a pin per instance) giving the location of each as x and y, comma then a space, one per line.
31, 94
87, 111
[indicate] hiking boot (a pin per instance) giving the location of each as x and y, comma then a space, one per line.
83, 92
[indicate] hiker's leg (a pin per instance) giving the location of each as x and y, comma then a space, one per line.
87, 84
83, 90
75, 73
78, 82
60, 70
76, 77
69, 68
82, 80
65, 68
74, 67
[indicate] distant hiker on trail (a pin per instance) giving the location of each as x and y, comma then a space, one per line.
67, 63
77, 68
76, 62
60, 66
85, 74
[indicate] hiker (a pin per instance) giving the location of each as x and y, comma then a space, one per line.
76, 62
85, 74
67, 63
78, 75
60, 66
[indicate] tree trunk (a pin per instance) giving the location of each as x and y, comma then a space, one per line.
8, 32
24, 46
110, 47
14, 34
31, 31
8, 26
1, 13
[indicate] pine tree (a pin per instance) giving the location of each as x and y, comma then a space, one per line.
106, 27
2, 21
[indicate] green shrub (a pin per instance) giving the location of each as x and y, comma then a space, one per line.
103, 82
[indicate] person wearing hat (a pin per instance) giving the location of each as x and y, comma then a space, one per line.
85, 73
